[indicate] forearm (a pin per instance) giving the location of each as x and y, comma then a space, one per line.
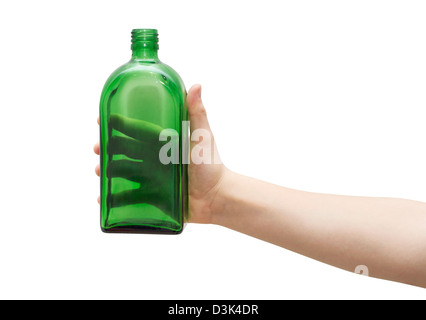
386, 235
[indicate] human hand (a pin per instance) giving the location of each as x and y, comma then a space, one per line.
204, 178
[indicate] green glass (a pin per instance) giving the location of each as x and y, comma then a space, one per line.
140, 194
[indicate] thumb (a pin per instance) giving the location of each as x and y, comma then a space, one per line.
196, 112
198, 120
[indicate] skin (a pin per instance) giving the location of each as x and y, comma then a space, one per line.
387, 235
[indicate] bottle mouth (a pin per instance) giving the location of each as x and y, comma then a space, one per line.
144, 38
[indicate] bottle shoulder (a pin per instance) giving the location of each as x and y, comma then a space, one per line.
134, 69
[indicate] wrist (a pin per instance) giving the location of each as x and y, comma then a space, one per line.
225, 196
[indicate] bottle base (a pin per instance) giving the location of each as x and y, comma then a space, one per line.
140, 230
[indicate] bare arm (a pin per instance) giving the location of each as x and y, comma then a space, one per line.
386, 235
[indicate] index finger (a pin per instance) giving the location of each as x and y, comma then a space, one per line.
137, 129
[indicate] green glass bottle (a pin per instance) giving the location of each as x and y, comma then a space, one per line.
142, 111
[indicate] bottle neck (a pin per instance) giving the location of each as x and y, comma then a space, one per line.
145, 45
145, 55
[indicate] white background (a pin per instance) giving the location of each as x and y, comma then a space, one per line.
322, 96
